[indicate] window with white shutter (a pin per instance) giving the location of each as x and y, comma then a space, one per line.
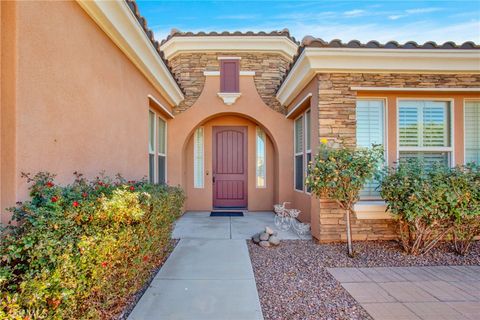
308, 148
424, 129
299, 165
472, 131
151, 147
261, 170
198, 158
162, 151
370, 115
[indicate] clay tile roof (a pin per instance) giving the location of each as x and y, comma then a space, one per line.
143, 22
278, 33
312, 42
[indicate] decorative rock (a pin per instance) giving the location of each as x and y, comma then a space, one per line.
268, 230
264, 236
274, 240
264, 244
256, 238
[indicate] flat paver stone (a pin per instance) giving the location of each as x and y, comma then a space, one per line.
199, 300
435, 293
444, 291
435, 311
348, 275
367, 292
381, 275
389, 311
471, 310
407, 292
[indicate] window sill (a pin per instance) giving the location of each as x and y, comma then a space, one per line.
229, 98
371, 210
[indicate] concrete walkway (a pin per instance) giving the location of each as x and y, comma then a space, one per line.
209, 274
415, 292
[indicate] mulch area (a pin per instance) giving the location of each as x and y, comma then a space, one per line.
136, 297
293, 282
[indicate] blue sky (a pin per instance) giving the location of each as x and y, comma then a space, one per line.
419, 21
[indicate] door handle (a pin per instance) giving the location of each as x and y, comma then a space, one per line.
213, 179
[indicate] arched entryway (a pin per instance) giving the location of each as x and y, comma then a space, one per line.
230, 154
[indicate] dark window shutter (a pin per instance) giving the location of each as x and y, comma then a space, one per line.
229, 75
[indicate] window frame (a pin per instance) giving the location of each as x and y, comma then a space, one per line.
202, 186
307, 150
450, 150
385, 133
152, 175
158, 153
295, 153
465, 101
257, 129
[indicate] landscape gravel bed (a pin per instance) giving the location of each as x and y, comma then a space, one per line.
293, 282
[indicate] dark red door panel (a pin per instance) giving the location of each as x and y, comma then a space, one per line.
230, 167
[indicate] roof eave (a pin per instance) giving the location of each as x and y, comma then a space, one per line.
185, 44
315, 60
117, 20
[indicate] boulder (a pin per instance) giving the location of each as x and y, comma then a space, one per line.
274, 240
269, 230
256, 238
264, 244
264, 236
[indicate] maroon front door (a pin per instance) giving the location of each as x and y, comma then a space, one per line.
230, 167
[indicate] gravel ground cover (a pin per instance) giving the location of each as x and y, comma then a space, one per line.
293, 282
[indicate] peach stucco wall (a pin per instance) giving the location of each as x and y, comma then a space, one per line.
250, 110
300, 199
79, 103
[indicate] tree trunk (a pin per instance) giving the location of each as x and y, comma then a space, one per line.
349, 233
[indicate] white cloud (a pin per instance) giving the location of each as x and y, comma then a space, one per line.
396, 17
354, 13
460, 32
422, 10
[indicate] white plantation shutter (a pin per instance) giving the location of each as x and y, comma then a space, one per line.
408, 122
370, 123
370, 130
427, 158
299, 165
424, 131
435, 124
299, 135
472, 131
198, 158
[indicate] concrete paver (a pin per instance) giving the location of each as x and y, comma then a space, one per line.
424, 293
389, 311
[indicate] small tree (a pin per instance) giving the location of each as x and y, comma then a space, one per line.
339, 173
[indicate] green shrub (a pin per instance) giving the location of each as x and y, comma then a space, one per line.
431, 202
464, 192
339, 173
81, 251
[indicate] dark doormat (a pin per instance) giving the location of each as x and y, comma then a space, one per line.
226, 214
